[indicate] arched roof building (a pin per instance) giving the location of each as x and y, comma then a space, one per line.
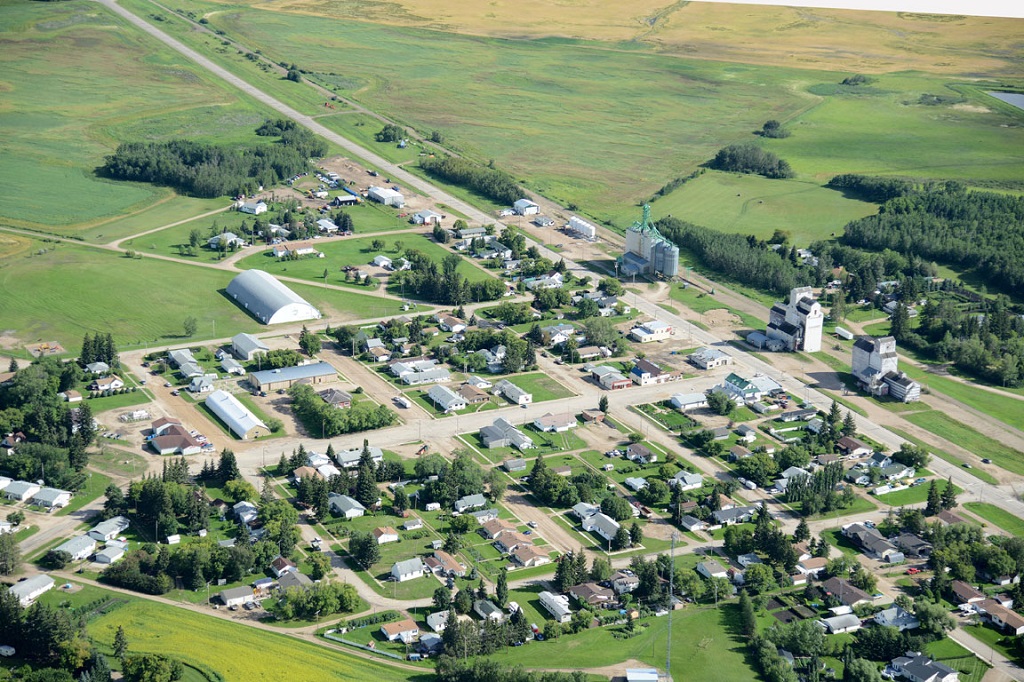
268, 300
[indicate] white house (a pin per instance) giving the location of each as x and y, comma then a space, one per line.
109, 555
635, 484
686, 480
655, 330
689, 401
19, 491
79, 547
385, 534
555, 423
52, 498
837, 625
346, 506
407, 570
712, 569
253, 207
557, 605
404, 630
109, 529
27, 591
919, 668
603, 525
512, 392
709, 358
446, 399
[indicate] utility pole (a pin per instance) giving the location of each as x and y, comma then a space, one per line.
671, 579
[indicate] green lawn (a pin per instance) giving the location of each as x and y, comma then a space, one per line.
751, 204
95, 485
967, 437
914, 495
83, 289
1004, 408
945, 456
706, 644
951, 653
541, 386
701, 302
1001, 518
1005, 645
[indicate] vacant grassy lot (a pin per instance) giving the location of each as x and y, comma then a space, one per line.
139, 301
235, 652
914, 495
541, 386
77, 81
701, 302
943, 455
967, 437
706, 644
751, 204
1013, 525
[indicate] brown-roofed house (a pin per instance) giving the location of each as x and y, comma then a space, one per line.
948, 518
966, 594
592, 594
846, 592
593, 416
305, 472
472, 395
1002, 617
405, 630
528, 555
496, 527
385, 535
449, 564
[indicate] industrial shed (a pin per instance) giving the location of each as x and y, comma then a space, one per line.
236, 416
268, 300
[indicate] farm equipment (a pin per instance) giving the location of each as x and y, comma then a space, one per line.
422, 450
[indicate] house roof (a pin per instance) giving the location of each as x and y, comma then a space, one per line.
384, 530
408, 566
399, 626
49, 495
966, 592
236, 416
77, 544
345, 503
844, 591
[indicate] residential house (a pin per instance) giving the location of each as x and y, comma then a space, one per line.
482, 516
635, 483
687, 480
603, 525
30, 589
728, 517
738, 389
97, 368
709, 358
385, 534
447, 564
495, 527
337, 398
689, 401
245, 511
488, 610
512, 393
592, 594
109, 555
71, 396
472, 395
231, 366
412, 523
225, 240
253, 207
966, 594
203, 384
837, 625
812, 566
872, 543
502, 433
557, 605
446, 399
584, 510
555, 423
407, 570
1002, 617
405, 631
528, 555
646, 373
851, 447
111, 383
51, 498
897, 617
109, 529
478, 382
343, 505
712, 569
641, 454
437, 621
624, 581
508, 541
692, 523
948, 518
450, 323
236, 596
349, 459
282, 565
557, 334
913, 546
427, 217
879, 460
917, 667
468, 502
845, 592
79, 547
19, 491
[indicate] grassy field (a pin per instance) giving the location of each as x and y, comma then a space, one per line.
154, 311
967, 437
541, 386
1013, 525
355, 252
58, 127
943, 455
701, 302
949, 652
95, 485
751, 204
235, 652
706, 644
1005, 409
915, 495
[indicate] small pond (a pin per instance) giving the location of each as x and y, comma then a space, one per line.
1012, 98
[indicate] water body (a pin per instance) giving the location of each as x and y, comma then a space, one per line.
1012, 98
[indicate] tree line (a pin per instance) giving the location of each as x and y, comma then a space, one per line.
207, 170
491, 183
321, 418
741, 258
442, 284
749, 158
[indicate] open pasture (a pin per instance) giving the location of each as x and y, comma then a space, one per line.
782, 36
235, 652
77, 82
751, 204
140, 301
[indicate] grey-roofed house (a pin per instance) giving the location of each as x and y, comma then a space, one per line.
897, 617
709, 358
30, 589
286, 377
727, 517
689, 401
231, 366
446, 399
109, 555
236, 596
513, 465
349, 459
407, 570
502, 433
919, 668
470, 502
712, 569
79, 547
488, 610
837, 625
345, 506
247, 347
686, 480
513, 393
52, 498
243, 423
19, 491
268, 300
294, 580
337, 398
603, 525
109, 529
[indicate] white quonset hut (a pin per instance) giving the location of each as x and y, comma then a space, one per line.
268, 300
236, 416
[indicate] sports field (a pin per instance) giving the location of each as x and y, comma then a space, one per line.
70, 290
77, 81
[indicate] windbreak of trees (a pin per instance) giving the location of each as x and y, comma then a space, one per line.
206, 170
871, 188
749, 158
327, 421
487, 182
741, 258
946, 222
428, 281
